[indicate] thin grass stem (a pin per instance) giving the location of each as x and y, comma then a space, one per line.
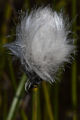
16, 100
35, 104
74, 66
47, 101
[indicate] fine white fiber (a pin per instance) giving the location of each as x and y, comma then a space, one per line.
42, 43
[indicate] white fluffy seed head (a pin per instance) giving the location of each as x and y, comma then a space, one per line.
42, 41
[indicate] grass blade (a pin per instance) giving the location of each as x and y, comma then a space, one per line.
47, 100
16, 100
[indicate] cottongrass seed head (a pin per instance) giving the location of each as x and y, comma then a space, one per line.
42, 44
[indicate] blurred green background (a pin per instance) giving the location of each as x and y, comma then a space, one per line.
60, 101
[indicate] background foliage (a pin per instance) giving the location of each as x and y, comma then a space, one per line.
60, 101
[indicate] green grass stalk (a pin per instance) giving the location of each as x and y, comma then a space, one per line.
74, 66
23, 115
16, 100
13, 79
35, 104
55, 100
47, 101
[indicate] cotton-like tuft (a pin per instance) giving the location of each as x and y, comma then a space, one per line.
42, 44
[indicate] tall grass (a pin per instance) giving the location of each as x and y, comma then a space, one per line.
74, 66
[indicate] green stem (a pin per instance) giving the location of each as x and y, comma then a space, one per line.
56, 111
16, 100
12, 75
74, 67
47, 100
35, 104
23, 115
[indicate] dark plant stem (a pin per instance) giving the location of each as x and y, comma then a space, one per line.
74, 67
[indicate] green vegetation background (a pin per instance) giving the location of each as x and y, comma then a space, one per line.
60, 101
